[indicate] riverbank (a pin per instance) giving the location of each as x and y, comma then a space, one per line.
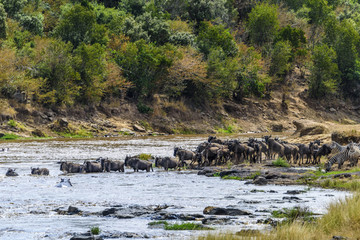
165, 116
341, 221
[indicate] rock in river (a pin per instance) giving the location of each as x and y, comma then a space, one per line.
224, 211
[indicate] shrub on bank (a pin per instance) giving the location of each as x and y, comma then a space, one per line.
280, 162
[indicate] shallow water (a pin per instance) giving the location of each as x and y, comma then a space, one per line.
28, 202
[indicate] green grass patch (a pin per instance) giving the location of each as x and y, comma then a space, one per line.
95, 230
181, 226
187, 226
292, 214
228, 129
9, 136
217, 174
319, 173
145, 156
158, 223
351, 185
232, 177
252, 176
280, 162
12, 123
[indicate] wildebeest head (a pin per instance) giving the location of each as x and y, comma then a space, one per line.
266, 138
34, 170
211, 138
157, 160
176, 149
64, 166
127, 158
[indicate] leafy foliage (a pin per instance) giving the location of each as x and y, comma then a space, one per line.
78, 24
324, 72
212, 36
3, 27
63, 52
263, 23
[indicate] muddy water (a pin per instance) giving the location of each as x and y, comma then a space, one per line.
28, 203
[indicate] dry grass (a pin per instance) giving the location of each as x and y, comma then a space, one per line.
342, 219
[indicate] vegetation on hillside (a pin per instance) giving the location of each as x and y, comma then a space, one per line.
62, 52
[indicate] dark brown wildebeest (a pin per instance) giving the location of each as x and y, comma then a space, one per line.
274, 147
184, 155
69, 167
39, 171
324, 150
108, 165
11, 173
166, 163
137, 164
91, 167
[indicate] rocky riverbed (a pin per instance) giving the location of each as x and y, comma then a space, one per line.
123, 204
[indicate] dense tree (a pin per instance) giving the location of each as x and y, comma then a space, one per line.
90, 63
281, 59
145, 65
3, 27
346, 47
263, 23
295, 36
187, 76
13, 7
324, 72
33, 23
56, 67
215, 36
78, 24
206, 10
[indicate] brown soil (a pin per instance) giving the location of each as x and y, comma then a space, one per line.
252, 115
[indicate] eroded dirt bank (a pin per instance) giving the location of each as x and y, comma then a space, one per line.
294, 112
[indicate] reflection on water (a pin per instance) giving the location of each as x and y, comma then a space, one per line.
28, 203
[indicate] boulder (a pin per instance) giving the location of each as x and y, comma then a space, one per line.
224, 211
260, 181
345, 137
309, 128
277, 127
73, 210
38, 133
138, 128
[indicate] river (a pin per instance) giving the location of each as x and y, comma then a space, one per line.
29, 204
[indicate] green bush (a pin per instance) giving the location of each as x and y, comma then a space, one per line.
145, 156
182, 226
142, 108
95, 230
263, 23
293, 214
280, 162
9, 137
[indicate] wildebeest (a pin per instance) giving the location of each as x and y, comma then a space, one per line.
138, 164
11, 173
166, 163
184, 155
108, 165
91, 167
213, 139
39, 171
69, 167
274, 147
304, 150
324, 150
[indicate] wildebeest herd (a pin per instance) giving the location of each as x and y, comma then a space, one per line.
215, 152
